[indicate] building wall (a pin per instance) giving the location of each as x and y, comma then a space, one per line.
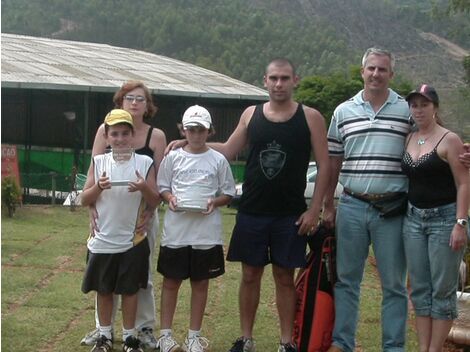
34, 120
36, 117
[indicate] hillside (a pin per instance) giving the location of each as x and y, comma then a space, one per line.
238, 37
421, 57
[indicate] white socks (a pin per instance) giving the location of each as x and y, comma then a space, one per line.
106, 331
193, 333
126, 333
166, 332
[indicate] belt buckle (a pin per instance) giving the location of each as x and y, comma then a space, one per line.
375, 196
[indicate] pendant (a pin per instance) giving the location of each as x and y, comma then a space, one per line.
421, 141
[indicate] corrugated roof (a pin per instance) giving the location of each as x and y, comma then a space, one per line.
42, 63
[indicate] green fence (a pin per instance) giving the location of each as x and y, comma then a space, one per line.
52, 169
238, 170
49, 169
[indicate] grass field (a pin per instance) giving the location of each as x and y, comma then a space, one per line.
43, 309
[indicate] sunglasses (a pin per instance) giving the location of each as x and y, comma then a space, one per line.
131, 98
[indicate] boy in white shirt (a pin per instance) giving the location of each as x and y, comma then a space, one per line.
194, 180
117, 261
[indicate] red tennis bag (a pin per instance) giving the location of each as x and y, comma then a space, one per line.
315, 310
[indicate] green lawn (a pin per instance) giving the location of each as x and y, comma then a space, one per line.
43, 309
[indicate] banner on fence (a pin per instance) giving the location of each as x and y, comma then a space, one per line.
10, 162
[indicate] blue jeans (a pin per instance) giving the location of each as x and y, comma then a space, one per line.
433, 266
358, 225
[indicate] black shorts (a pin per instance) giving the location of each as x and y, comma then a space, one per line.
118, 273
258, 240
187, 262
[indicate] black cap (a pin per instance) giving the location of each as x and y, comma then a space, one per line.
425, 91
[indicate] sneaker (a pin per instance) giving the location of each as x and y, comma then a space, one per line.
196, 344
287, 347
132, 344
90, 338
243, 344
103, 344
147, 340
166, 343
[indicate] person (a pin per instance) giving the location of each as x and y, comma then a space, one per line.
436, 222
281, 134
117, 260
366, 141
135, 97
195, 181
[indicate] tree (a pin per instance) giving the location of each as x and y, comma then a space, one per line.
466, 66
459, 6
325, 93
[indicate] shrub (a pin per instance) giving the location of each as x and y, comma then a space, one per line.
11, 194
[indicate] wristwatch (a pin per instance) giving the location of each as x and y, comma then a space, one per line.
462, 222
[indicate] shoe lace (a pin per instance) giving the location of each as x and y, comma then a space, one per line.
237, 346
103, 343
132, 342
166, 341
289, 347
199, 342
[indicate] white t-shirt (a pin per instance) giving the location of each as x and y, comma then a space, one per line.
118, 209
180, 173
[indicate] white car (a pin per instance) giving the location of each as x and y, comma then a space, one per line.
311, 176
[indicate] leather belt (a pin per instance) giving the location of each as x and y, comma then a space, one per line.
370, 197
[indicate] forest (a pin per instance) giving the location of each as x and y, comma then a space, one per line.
238, 37
324, 38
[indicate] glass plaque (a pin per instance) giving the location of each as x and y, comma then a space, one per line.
193, 199
120, 166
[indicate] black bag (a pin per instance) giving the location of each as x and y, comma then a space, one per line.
315, 310
393, 206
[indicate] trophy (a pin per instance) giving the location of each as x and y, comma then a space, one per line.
120, 166
194, 199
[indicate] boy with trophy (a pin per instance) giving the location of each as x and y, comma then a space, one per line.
194, 180
122, 186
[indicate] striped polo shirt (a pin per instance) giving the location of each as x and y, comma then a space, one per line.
370, 143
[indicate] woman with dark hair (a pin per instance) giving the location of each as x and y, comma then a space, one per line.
135, 98
436, 223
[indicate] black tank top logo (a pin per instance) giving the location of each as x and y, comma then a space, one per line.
272, 160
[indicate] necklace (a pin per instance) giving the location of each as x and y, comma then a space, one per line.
421, 141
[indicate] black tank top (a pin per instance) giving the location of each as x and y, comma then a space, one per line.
275, 174
431, 180
145, 150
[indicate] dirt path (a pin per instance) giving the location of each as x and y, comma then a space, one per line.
453, 49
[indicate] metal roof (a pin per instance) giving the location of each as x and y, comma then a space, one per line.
42, 63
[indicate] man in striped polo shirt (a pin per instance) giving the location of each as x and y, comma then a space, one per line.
365, 141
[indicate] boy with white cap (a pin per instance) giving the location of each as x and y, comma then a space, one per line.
194, 180
117, 261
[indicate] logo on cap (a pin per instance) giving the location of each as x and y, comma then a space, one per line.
426, 91
197, 116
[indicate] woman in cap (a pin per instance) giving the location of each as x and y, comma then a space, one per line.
135, 98
435, 227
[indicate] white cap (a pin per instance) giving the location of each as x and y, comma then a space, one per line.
197, 116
